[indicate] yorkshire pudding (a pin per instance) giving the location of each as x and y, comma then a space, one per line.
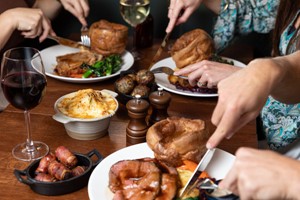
192, 47
108, 38
176, 139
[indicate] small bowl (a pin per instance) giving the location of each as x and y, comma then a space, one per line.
59, 187
124, 98
85, 129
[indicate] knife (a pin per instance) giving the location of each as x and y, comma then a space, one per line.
67, 42
199, 169
160, 50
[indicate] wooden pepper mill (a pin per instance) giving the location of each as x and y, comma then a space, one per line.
137, 127
159, 101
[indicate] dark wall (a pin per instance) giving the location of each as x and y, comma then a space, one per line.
65, 24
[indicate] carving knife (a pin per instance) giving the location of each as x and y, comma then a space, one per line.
67, 42
160, 49
199, 169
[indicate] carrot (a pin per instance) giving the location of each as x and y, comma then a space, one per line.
76, 75
188, 165
191, 166
204, 174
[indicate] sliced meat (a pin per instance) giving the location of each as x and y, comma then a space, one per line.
69, 64
145, 179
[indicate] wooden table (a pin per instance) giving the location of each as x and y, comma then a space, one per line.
12, 127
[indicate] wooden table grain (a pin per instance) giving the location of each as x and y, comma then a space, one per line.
44, 128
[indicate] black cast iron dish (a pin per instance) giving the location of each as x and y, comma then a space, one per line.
60, 187
124, 98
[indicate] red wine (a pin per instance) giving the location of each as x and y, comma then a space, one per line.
24, 90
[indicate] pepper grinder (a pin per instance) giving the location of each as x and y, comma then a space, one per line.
137, 127
159, 101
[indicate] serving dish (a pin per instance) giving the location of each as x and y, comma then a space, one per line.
162, 79
98, 182
27, 175
124, 98
84, 129
49, 58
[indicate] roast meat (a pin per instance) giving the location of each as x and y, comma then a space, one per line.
69, 64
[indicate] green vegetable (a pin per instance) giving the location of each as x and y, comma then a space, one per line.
105, 67
87, 73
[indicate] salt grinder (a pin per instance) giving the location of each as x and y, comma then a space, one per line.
159, 101
137, 127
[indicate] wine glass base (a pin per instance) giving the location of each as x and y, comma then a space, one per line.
20, 151
136, 55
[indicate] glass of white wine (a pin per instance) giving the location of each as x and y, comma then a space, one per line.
134, 12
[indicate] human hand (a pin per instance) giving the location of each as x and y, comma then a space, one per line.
207, 72
79, 8
241, 97
180, 11
31, 22
262, 174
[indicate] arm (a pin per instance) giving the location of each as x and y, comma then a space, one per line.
244, 93
79, 8
286, 89
181, 10
50, 8
261, 174
31, 22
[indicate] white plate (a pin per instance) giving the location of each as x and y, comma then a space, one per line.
98, 182
49, 58
162, 79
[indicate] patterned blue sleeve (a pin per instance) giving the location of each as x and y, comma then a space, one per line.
240, 17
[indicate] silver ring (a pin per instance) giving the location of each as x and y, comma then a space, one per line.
199, 84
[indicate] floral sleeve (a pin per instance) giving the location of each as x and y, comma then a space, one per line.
240, 17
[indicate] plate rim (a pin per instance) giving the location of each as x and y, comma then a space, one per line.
111, 156
139, 149
184, 92
126, 66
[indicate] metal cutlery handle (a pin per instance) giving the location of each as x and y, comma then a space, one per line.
67, 42
160, 49
166, 70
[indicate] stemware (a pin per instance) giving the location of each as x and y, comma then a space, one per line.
134, 12
23, 81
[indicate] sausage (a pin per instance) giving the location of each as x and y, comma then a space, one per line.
44, 163
66, 157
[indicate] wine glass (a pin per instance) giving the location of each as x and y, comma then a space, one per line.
23, 81
134, 12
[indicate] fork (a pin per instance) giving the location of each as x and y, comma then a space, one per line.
206, 184
85, 38
166, 70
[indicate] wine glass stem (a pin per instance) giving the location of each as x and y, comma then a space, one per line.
29, 143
